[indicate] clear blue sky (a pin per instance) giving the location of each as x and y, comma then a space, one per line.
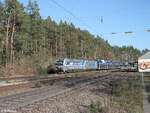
118, 16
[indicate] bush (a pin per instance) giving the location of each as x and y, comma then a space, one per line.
98, 107
1, 73
51, 68
7, 81
41, 70
38, 84
49, 83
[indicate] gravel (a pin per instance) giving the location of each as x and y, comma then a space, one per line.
73, 102
77, 101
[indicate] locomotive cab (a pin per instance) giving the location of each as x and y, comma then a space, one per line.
59, 63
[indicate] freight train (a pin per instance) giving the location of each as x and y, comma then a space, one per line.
72, 65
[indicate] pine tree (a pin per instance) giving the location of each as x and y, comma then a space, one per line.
24, 33
2, 33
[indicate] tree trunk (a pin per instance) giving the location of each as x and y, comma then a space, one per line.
36, 47
56, 46
70, 45
12, 42
6, 41
51, 51
95, 53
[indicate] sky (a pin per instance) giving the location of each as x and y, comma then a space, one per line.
119, 16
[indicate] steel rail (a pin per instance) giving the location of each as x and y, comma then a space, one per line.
77, 84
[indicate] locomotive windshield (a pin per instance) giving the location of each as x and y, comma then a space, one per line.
59, 62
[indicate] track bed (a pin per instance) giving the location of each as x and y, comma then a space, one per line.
21, 100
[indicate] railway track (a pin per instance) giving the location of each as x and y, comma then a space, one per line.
35, 77
17, 101
29, 84
8, 84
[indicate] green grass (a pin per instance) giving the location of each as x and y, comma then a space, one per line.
7, 81
128, 94
41, 84
48, 83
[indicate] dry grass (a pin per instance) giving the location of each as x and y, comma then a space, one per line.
127, 94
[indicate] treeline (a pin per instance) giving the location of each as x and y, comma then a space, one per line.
24, 33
